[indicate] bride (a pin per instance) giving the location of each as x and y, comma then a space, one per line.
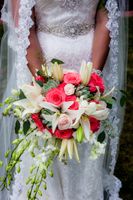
71, 31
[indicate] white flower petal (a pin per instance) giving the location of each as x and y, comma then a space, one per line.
49, 106
63, 148
85, 123
66, 105
70, 147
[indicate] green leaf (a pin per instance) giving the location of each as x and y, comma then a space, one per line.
7, 153
1, 163
21, 95
32, 168
51, 173
54, 60
49, 85
108, 99
101, 137
17, 127
114, 98
123, 100
124, 92
79, 134
39, 72
109, 106
32, 154
45, 186
1, 105
40, 192
18, 169
26, 126
39, 83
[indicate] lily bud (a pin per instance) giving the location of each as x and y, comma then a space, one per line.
85, 72
70, 148
57, 72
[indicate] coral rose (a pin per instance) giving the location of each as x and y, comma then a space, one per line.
75, 105
55, 96
40, 78
63, 134
96, 80
38, 122
61, 87
73, 78
94, 124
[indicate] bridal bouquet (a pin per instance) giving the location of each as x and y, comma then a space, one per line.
60, 110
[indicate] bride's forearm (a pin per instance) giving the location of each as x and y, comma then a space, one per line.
101, 40
34, 53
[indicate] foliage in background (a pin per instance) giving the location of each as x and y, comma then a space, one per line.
124, 167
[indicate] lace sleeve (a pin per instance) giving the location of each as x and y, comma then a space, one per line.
23, 31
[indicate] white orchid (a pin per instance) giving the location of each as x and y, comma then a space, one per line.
32, 100
85, 72
97, 149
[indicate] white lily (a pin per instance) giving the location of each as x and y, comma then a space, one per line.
69, 146
98, 94
84, 108
33, 99
55, 117
85, 72
109, 93
101, 114
57, 71
63, 148
85, 123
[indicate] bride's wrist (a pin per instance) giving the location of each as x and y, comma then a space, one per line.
98, 71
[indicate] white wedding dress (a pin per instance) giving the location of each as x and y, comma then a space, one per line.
65, 30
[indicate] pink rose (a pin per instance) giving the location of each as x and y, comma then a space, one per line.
55, 96
96, 80
72, 77
69, 89
75, 105
64, 122
94, 124
63, 134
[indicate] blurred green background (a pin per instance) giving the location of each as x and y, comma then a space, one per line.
124, 167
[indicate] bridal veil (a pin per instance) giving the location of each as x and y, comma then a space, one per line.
13, 61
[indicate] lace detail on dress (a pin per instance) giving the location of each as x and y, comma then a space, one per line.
70, 4
111, 183
23, 31
113, 26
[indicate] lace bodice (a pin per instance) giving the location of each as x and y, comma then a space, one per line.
66, 17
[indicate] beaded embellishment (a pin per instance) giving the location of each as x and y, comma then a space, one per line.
72, 30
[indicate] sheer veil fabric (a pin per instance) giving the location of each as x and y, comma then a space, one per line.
16, 38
